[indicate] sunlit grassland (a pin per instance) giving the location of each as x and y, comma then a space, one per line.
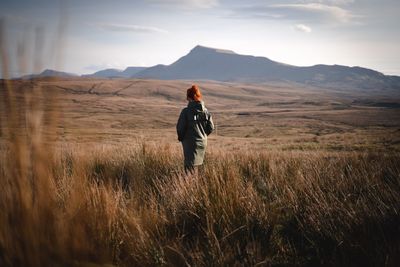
132, 206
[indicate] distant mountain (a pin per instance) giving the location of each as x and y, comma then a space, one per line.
113, 73
204, 63
50, 73
130, 71
107, 73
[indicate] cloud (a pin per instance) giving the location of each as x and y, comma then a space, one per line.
186, 3
299, 12
316, 11
130, 28
302, 28
330, 2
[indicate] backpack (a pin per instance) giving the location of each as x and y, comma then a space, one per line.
205, 119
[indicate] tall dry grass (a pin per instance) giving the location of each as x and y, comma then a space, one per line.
132, 206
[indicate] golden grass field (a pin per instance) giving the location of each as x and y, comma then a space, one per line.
91, 175
248, 116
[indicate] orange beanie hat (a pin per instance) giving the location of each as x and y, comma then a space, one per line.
194, 93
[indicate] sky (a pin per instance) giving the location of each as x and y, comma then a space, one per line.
84, 36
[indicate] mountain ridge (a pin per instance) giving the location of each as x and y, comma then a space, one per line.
208, 63
115, 73
50, 73
204, 63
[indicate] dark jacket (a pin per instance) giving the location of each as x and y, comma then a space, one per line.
194, 125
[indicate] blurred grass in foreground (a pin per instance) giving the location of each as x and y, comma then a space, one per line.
132, 207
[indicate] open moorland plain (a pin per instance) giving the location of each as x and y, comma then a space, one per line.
295, 175
248, 116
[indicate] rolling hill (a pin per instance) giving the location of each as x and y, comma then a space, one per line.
115, 73
50, 73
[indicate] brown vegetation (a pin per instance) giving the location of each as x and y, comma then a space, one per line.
248, 116
130, 205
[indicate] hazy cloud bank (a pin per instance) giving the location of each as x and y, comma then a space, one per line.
299, 12
130, 28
